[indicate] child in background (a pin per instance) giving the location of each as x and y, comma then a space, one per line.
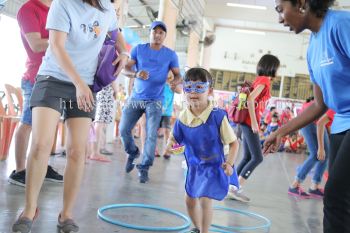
273, 126
203, 130
292, 143
263, 133
167, 111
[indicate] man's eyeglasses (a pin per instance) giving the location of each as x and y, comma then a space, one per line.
197, 87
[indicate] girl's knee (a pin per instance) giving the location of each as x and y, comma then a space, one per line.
191, 202
257, 160
40, 149
205, 202
76, 153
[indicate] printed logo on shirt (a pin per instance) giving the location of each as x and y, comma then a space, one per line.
92, 28
326, 60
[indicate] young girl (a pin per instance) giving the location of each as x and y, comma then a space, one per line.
252, 155
203, 130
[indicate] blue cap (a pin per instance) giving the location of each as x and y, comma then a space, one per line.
158, 24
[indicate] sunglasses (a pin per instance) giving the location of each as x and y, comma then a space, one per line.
197, 87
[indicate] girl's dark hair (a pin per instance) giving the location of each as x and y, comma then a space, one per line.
198, 74
318, 7
95, 3
268, 65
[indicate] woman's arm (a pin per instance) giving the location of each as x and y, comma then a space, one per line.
321, 124
310, 114
123, 57
251, 106
36, 43
57, 41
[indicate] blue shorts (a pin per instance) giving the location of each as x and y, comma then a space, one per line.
27, 89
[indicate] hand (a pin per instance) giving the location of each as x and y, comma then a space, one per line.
272, 143
173, 85
321, 154
121, 61
142, 74
255, 128
227, 168
85, 99
169, 150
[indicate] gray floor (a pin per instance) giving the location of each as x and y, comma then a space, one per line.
107, 183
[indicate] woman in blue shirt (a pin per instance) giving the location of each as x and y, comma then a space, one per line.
328, 59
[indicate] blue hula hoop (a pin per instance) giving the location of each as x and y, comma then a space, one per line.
266, 225
144, 228
213, 230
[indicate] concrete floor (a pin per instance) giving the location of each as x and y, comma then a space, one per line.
107, 183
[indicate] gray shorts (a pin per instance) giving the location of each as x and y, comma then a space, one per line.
59, 95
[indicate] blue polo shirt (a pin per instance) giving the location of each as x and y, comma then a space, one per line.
157, 63
329, 65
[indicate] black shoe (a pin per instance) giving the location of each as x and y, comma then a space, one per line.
52, 175
194, 230
18, 178
106, 152
130, 162
129, 165
143, 175
166, 156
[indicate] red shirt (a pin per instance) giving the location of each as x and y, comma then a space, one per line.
330, 113
262, 98
31, 17
305, 106
285, 117
268, 119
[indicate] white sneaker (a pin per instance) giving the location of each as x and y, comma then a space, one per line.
236, 194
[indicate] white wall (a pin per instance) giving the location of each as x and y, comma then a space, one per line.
12, 53
243, 51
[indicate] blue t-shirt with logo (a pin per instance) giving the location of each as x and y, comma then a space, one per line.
157, 63
329, 65
86, 29
168, 101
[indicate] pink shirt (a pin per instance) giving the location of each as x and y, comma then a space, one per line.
31, 17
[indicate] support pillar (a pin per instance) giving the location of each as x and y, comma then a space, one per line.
168, 14
193, 50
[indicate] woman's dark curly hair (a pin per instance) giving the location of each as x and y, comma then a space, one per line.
318, 7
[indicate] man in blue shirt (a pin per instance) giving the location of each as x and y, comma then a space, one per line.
152, 62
